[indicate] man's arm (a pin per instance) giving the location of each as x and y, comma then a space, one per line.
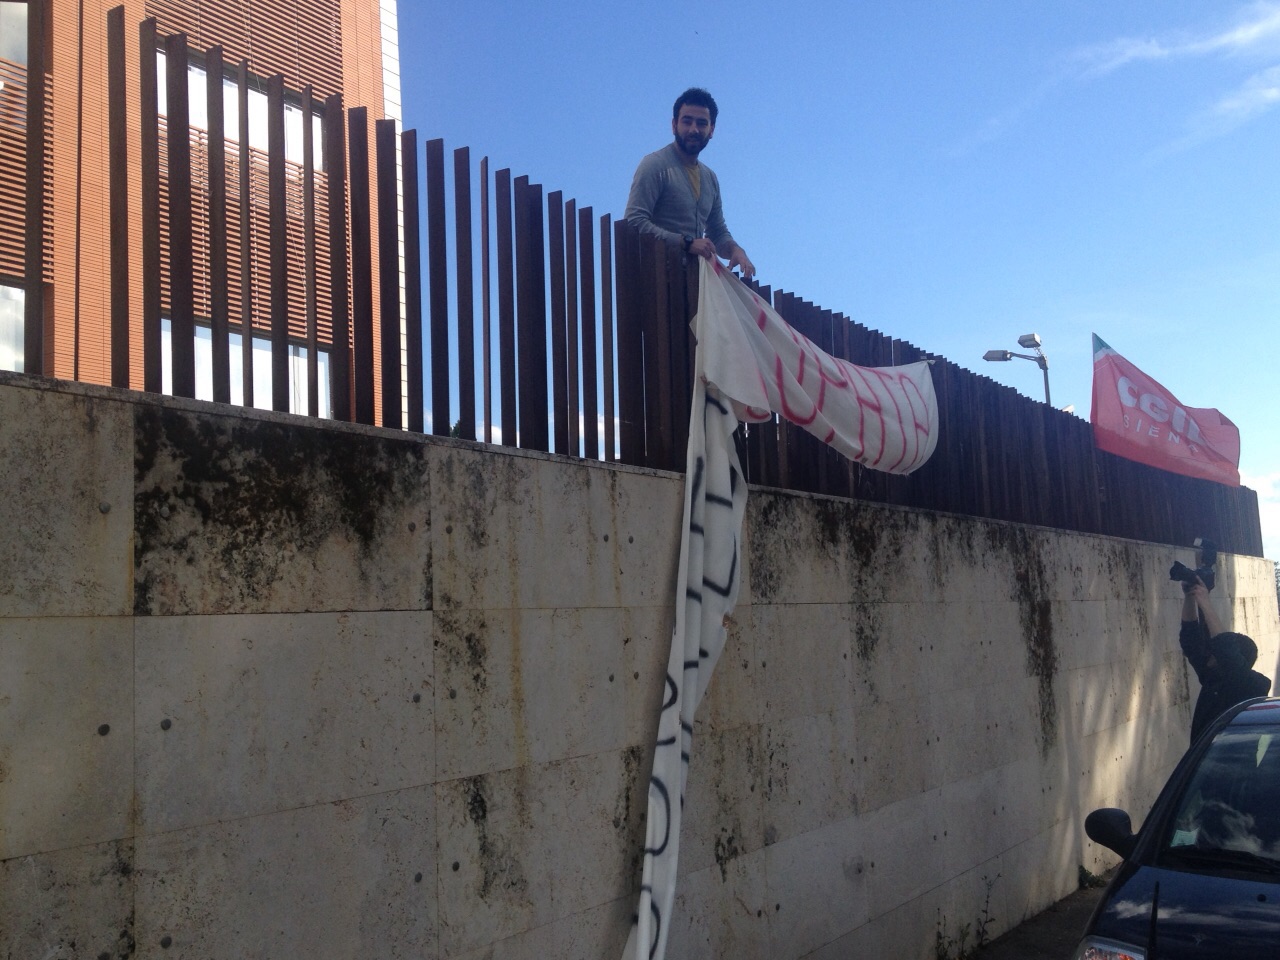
1201, 596
646, 188
1191, 637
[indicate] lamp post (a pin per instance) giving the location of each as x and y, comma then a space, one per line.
1029, 341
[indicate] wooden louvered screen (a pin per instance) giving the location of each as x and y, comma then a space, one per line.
13, 172
286, 37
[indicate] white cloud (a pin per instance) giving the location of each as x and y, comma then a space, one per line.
1256, 32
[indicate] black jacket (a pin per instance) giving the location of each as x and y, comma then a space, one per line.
1229, 681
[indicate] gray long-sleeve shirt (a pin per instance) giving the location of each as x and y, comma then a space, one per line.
662, 202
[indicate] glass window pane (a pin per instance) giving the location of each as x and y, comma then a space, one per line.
13, 32
12, 304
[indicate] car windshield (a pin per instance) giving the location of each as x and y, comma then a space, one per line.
1229, 814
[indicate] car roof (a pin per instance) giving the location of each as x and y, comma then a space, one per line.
1265, 712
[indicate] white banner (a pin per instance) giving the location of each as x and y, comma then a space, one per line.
749, 362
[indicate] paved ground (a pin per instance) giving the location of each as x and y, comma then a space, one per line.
1051, 935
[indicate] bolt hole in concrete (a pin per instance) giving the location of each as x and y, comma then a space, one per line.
166, 723
166, 942
104, 729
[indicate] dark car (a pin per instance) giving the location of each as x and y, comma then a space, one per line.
1202, 877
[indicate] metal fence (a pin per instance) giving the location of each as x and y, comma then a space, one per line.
593, 355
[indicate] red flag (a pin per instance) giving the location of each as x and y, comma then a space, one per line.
1136, 418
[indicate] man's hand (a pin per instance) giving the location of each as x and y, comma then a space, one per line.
739, 258
703, 248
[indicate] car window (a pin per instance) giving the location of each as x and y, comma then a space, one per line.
1232, 802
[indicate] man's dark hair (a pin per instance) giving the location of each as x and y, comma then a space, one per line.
695, 97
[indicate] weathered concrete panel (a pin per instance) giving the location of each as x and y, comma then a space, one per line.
246, 715
523, 848
66, 733
241, 514
67, 505
723, 912
810, 777
723, 813
68, 903
533, 532
817, 888
600, 931
349, 879
533, 686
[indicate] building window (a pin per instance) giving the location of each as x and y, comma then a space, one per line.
261, 371
13, 32
198, 113
12, 306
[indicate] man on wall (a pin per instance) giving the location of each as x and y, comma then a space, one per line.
1222, 660
677, 198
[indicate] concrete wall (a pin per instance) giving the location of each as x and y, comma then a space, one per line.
271, 689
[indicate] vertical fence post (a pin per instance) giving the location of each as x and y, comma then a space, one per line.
506, 309
531, 317
412, 278
279, 245
388, 272
118, 148
335, 165
182, 321
217, 159
438, 269
33, 360
631, 400
246, 235
361, 264
571, 324
309, 252
587, 301
606, 331
560, 409
466, 294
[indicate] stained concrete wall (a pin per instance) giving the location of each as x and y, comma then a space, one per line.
273, 689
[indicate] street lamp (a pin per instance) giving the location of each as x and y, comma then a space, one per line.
1029, 341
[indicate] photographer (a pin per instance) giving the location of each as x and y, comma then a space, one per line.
1222, 660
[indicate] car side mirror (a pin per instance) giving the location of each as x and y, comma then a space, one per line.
1113, 829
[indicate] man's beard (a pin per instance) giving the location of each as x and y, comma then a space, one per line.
691, 149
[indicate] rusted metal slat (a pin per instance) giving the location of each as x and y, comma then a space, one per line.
656, 326
278, 244
118, 140
219, 308
246, 238
412, 281
531, 327
361, 264
466, 294
309, 253
486, 349
441, 416
33, 359
506, 308
606, 332
559, 336
681, 295
335, 165
587, 309
571, 323
182, 321
385, 150
631, 402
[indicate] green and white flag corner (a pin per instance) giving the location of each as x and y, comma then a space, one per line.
749, 363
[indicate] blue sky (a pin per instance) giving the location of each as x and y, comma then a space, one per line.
954, 174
